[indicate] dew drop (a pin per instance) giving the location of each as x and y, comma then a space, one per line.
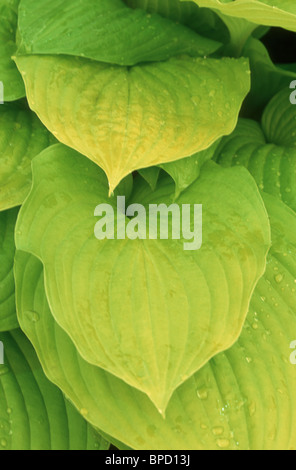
252, 408
278, 278
195, 100
32, 316
4, 426
218, 430
223, 443
84, 411
3, 442
202, 394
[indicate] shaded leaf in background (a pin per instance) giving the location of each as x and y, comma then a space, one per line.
125, 119
267, 79
150, 175
184, 172
241, 399
34, 415
139, 308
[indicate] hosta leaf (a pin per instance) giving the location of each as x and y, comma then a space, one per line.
241, 399
125, 119
34, 415
268, 151
202, 20
280, 13
8, 320
150, 175
13, 86
278, 120
185, 171
239, 32
22, 136
138, 308
267, 78
105, 30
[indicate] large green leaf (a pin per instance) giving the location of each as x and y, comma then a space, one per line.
13, 86
22, 136
268, 151
34, 415
105, 30
138, 308
264, 12
125, 119
8, 319
242, 399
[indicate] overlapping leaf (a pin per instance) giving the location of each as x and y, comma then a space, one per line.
34, 415
22, 137
8, 318
13, 86
269, 150
242, 399
125, 119
138, 308
202, 20
106, 30
280, 13
184, 172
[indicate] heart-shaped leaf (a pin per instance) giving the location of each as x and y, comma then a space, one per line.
34, 414
124, 118
139, 308
242, 399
